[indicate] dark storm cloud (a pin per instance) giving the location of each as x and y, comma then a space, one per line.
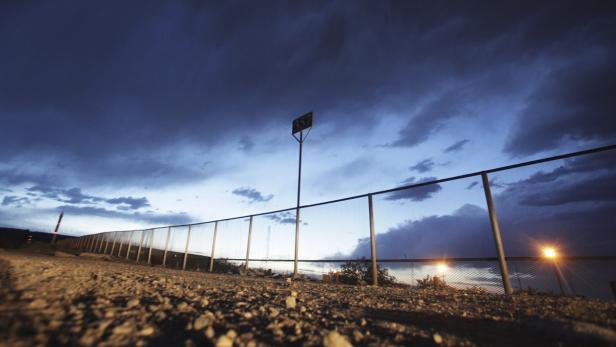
574, 102
252, 194
457, 146
571, 205
417, 193
108, 86
423, 166
283, 217
133, 203
15, 201
77, 197
14, 176
148, 217
472, 185
246, 144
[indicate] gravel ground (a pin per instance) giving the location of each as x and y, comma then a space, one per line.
84, 300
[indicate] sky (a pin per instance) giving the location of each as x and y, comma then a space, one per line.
143, 114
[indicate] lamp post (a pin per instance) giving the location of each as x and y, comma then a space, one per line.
299, 125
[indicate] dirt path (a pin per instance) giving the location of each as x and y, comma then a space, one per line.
53, 301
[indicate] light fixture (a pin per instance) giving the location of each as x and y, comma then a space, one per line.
550, 253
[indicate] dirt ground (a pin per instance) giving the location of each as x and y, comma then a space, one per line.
83, 300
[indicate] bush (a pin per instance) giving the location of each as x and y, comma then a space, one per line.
432, 282
360, 272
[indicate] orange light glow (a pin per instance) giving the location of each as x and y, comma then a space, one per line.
441, 267
550, 253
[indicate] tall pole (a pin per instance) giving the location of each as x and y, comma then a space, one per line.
502, 262
150, 250
375, 275
297, 211
140, 245
130, 243
166, 246
100, 246
107, 237
248, 243
186, 249
55, 232
121, 242
115, 239
213, 247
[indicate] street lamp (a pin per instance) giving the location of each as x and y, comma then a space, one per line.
551, 254
299, 125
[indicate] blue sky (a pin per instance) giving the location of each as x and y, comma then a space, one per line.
141, 115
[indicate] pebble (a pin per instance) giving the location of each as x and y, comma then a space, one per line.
132, 303
224, 341
147, 331
38, 304
290, 302
437, 338
201, 322
334, 339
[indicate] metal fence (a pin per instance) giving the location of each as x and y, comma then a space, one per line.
248, 240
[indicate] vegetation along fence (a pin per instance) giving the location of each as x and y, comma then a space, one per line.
555, 220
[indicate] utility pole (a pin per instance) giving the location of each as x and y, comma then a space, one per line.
55, 232
299, 125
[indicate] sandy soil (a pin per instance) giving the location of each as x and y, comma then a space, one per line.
84, 300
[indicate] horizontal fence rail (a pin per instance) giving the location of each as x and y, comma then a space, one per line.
140, 245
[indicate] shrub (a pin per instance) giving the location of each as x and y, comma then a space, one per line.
360, 272
432, 282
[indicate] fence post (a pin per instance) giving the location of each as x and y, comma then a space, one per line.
248, 243
115, 239
375, 274
186, 249
130, 243
140, 245
107, 237
166, 246
120, 245
91, 243
100, 246
213, 247
502, 262
94, 241
150, 251
97, 241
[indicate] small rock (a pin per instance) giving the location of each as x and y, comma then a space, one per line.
132, 303
224, 341
147, 331
334, 339
437, 338
209, 332
290, 301
201, 322
123, 329
273, 312
38, 304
